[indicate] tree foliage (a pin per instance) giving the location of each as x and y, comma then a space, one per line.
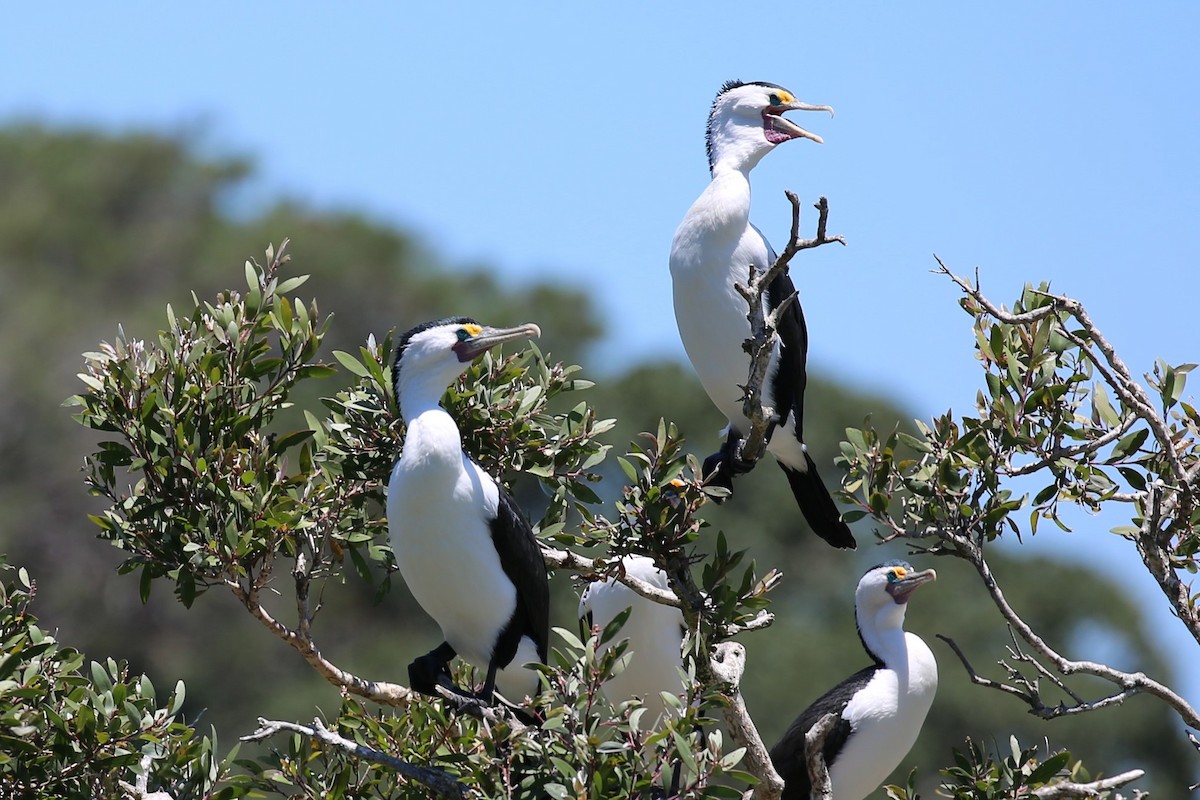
71, 728
223, 470
223, 498
1047, 417
220, 498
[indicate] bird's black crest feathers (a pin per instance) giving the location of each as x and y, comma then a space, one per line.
407, 337
895, 562
725, 87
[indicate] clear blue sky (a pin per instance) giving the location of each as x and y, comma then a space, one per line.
1033, 142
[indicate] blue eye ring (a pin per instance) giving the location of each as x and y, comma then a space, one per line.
775, 99
463, 334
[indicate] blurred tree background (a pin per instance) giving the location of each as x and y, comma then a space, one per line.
99, 228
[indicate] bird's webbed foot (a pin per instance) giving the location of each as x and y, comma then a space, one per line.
430, 674
723, 466
431, 670
727, 463
716, 473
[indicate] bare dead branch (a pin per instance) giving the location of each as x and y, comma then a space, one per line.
565, 559
814, 749
388, 694
822, 206
1093, 789
439, 782
979, 680
763, 326
1129, 683
140, 788
725, 670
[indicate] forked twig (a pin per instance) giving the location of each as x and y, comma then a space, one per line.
763, 325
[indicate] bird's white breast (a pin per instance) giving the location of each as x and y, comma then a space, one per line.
655, 638
711, 252
438, 512
886, 717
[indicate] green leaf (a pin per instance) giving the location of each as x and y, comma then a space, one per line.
571, 639
1135, 479
1045, 495
1050, 767
684, 749
289, 440
1128, 443
1102, 409
351, 363
144, 583
291, 284
93, 383
316, 371
627, 468
913, 443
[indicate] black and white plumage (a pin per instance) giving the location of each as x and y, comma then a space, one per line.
463, 546
881, 708
655, 632
713, 248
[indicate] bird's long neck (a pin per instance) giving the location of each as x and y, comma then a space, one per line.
734, 146
723, 209
883, 636
431, 438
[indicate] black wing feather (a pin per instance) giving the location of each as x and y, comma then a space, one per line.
521, 558
787, 394
789, 755
791, 372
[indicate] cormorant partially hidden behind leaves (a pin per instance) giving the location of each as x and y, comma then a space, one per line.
879, 709
463, 546
713, 249
655, 632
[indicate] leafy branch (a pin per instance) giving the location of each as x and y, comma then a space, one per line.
1046, 414
227, 492
436, 781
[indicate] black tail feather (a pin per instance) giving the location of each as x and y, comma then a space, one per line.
820, 512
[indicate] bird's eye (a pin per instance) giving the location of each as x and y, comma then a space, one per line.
775, 99
463, 334
896, 574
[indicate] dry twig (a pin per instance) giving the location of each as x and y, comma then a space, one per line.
724, 671
1093, 789
1129, 683
814, 749
435, 780
763, 326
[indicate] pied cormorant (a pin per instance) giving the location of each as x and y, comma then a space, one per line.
713, 248
463, 546
879, 709
655, 632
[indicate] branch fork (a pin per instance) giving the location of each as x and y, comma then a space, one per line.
763, 326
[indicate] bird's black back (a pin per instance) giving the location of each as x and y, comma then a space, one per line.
523, 563
789, 755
